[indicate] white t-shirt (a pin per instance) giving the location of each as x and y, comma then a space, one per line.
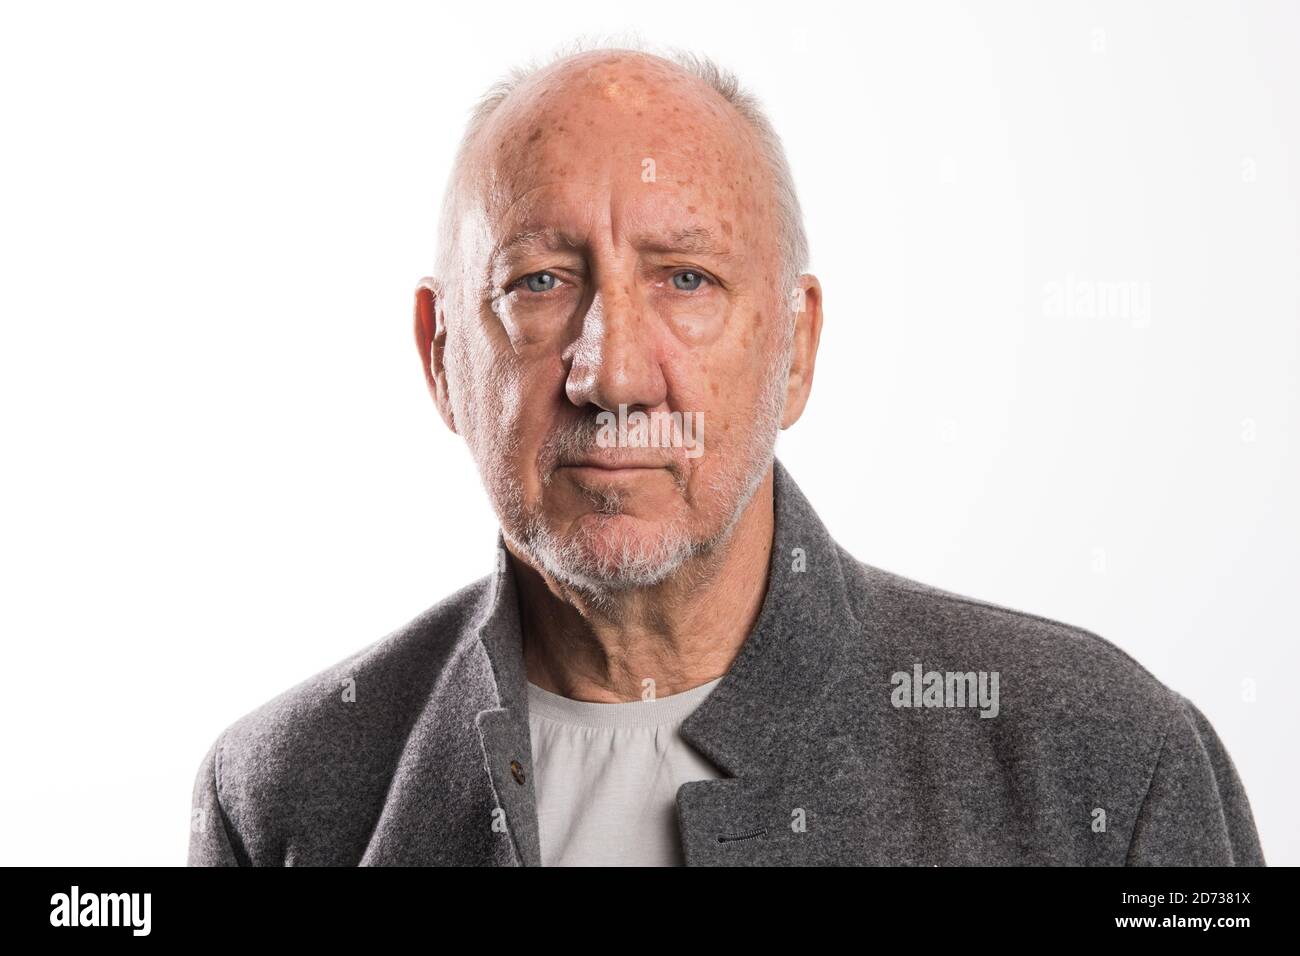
606, 777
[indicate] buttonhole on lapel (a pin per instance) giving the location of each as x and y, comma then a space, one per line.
752, 834
517, 771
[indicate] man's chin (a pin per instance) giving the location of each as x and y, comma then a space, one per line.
613, 552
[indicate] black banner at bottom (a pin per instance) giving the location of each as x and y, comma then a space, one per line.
330, 906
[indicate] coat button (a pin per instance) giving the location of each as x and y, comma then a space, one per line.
517, 770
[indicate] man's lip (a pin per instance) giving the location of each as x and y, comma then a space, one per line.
616, 465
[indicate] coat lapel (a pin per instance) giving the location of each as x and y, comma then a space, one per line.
503, 727
462, 793
770, 723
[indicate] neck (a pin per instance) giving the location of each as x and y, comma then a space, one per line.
679, 634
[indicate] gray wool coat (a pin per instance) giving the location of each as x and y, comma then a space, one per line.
829, 754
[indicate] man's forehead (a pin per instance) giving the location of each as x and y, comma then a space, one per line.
612, 155
557, 200
613, 119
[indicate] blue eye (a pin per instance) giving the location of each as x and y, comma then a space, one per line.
692, 281
539, 282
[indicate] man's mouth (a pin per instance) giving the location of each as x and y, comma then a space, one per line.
611, 470
618, 465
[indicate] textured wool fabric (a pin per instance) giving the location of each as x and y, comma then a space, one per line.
1089, 760
606, 777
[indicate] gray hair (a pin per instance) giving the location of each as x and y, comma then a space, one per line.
791, 236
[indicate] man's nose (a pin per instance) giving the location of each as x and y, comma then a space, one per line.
616, 359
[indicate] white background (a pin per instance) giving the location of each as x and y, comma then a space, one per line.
222, 472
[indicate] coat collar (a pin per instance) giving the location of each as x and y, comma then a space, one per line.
767, 724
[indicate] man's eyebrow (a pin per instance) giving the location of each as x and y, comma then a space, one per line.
698, 240
547, 239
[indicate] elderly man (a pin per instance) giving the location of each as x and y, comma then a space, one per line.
673, 661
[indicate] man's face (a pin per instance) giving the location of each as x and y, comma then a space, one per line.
619, 254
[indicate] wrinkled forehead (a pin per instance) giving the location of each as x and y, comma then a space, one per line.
629, 141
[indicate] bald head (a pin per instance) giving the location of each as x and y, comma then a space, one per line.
629, 105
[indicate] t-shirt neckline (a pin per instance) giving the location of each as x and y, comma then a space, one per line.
634, 713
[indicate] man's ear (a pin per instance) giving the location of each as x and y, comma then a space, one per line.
807, 301
431, 338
